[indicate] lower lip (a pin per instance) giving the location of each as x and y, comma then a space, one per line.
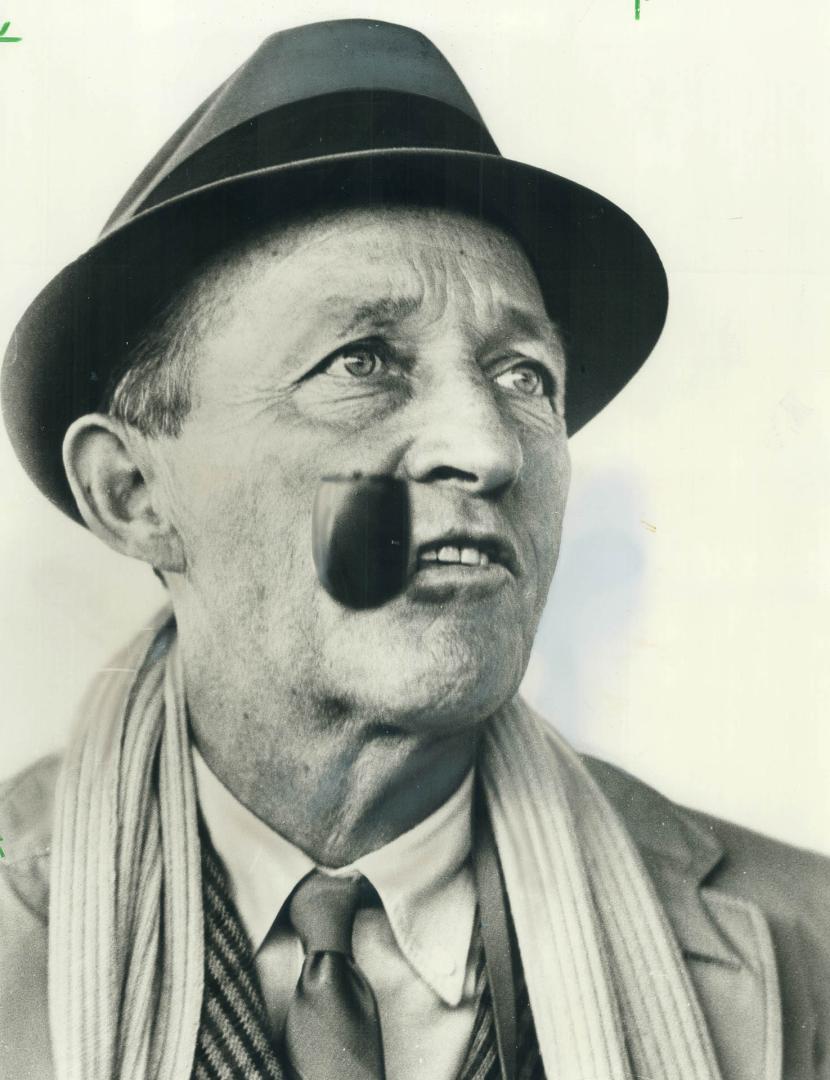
440, 581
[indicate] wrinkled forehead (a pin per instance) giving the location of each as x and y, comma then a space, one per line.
360, 240
448, 229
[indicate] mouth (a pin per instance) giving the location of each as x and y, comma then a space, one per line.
464, 552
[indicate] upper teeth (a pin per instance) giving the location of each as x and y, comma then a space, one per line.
469, 556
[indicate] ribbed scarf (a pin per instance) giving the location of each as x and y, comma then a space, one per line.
610, 995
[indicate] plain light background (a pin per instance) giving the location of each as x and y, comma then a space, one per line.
688, 633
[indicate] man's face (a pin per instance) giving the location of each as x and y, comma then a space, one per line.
408, 342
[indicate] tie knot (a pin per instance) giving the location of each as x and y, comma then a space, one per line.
322, 910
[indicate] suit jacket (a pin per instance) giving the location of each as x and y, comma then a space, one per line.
752, 918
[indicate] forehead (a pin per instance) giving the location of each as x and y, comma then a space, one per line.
381, 225
362, 254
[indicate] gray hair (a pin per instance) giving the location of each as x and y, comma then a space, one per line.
151, 387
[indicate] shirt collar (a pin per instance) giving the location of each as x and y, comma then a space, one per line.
423, 878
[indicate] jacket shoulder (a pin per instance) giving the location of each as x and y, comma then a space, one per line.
26, 805
700, 864
784, 881
26, 802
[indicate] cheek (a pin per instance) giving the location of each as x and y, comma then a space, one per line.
241, 519
545, 494
561, 483
547, 464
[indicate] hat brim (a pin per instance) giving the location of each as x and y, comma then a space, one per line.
601, 278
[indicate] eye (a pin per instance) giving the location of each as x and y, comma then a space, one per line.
526, 378
355, 361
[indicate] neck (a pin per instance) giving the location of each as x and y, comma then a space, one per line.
335, 783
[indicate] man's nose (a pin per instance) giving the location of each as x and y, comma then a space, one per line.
463, 437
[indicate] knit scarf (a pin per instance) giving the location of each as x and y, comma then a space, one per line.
610, 996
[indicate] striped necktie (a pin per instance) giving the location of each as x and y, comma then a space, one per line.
482, 1059
232, 1043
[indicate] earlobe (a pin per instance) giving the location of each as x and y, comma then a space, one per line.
113, 487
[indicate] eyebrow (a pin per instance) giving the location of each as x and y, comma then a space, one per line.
390, 309
530, 325
380, 312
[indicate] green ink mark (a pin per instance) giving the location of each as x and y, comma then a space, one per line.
3, 30
637, 9
2, 853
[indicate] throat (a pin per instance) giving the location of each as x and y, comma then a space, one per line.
337, 793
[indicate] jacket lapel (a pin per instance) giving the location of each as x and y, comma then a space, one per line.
725, 940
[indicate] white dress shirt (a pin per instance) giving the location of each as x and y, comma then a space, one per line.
414, 949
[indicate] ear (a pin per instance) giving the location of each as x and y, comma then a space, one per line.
113, 485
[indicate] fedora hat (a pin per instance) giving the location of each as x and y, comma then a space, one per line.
333, 114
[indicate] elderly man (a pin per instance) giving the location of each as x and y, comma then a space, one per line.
302, 831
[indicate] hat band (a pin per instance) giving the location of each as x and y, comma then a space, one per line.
354, 121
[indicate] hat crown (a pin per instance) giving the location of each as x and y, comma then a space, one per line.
298, 66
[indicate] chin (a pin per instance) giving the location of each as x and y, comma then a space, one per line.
439, 682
